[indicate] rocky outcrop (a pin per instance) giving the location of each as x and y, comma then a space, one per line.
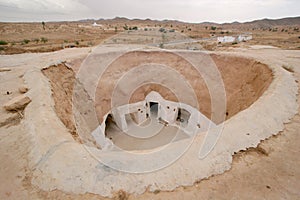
17, 103
23, 89
5, 69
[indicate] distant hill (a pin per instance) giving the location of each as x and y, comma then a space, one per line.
262, 23
290, 21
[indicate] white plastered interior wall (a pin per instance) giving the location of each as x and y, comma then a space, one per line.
167, 111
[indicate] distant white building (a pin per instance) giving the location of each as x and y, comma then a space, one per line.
95, 24
242, 38
226, 39
239, 38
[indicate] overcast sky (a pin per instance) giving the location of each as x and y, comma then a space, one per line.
184, 10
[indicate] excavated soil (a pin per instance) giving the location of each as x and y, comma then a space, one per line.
62, 81
245, 81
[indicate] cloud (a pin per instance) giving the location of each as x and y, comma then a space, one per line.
196, 10
42, 9
188, 10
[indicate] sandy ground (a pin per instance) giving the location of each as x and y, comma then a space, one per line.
34, 37
268, 172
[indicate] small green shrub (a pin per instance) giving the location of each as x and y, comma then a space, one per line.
2, 42
125, 27
162, 30
44, 40
36, 40
26, 41
156, 191
213, 28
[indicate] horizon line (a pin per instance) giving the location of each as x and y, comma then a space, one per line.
159, 20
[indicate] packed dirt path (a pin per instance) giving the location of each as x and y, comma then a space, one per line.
270, 171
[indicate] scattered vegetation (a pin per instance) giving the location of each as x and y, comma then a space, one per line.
135, 28
213, 28
121, 195
163, 30
2, 42
156, 191
37, 43
26, 41
44, 40
36, 40
125, 27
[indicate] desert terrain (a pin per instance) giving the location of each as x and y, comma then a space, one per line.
46, 70
52, 36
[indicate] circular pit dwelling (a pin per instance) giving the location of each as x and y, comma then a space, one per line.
135, 118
